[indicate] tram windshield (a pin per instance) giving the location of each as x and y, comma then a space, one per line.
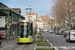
25, 29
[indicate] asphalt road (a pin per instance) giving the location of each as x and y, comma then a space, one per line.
59, 41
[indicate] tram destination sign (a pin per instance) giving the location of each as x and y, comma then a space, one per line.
24, 23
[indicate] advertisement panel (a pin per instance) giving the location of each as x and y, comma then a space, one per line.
2, 21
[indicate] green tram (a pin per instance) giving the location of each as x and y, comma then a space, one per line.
25, 31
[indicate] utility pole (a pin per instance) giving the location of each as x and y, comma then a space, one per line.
27, 10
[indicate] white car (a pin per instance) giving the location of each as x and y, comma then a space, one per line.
70, 36
45, 30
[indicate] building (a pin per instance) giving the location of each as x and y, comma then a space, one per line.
31, 16
46, 21
43, 22
39, 23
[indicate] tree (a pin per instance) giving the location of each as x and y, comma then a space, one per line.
64, 10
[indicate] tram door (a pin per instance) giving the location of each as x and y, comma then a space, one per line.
18, 29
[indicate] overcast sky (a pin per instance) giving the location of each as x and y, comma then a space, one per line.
41, 7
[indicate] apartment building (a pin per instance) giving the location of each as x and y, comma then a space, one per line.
31, 16
39, 22
43, 22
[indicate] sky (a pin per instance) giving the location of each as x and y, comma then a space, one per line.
41, 7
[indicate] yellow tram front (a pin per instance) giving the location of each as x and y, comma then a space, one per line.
25, 31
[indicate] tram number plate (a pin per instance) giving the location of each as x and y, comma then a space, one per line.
24, 40
25, 24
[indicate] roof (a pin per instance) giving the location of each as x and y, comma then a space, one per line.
5, 8
32, 13
25, 21
16, 9
45, 17
2, 5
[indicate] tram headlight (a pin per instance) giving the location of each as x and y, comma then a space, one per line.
28, 36
24, 37
19, 36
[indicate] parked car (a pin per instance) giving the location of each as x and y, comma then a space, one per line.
56, 32
49, 31
70, 36
60, 32
52, 31
45, 30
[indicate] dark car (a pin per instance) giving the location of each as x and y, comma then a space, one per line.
61, 32
56, 32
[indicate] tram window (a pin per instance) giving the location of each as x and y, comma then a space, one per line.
19, 29
22, 28
29, 30
25, 29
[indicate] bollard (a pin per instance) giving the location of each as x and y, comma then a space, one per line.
53, 49
49, 45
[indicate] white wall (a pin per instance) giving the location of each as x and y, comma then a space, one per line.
2, 21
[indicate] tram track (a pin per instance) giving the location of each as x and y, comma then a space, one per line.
25, 46
9, 47
20, 47
15, 47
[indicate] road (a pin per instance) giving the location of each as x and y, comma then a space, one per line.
59, 41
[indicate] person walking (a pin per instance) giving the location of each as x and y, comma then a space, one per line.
0, 40
6, 36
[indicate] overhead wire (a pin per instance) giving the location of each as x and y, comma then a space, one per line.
27, 3
15, 2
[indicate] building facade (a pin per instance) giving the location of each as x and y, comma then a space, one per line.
31, 16
43, 22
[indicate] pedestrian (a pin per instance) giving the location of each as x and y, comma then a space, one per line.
6, 36
13, 33
0, 40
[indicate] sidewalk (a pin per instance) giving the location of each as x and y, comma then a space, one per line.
7, 44
42, 47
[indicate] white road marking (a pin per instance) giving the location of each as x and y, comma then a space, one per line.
51, 44
35, 47
56, 47
65, 47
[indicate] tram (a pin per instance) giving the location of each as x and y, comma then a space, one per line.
25, 33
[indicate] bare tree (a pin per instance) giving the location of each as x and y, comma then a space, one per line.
64, 10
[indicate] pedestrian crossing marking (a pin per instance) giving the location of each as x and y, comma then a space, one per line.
52, 35
65, 47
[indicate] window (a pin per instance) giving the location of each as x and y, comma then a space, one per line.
44, 17
28, 16
31, 28
29, 31
31, 16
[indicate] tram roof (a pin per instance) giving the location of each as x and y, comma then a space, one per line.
25, 21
